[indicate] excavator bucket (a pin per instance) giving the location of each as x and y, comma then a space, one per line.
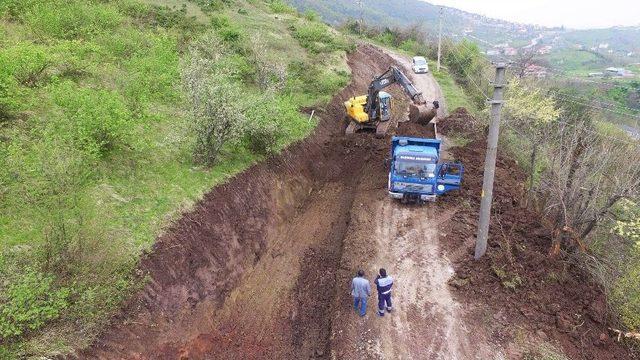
423, 114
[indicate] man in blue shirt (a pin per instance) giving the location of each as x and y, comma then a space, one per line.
360, 290
383, 285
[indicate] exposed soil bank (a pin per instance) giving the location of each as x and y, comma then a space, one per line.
249, 272
551, 301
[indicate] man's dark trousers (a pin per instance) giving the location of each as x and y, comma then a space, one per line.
384, 299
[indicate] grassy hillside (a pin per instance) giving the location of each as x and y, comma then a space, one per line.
97, 139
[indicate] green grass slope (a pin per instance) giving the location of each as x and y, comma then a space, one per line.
96, 140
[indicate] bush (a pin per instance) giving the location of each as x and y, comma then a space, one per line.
317, 38
626, 297
153, 73
262, 137
280, 7
96, 120
10, 94
71, 19
21, 65
26, 62
219, 21
309, 79
264, 121
217, 114
311, 15
29, 303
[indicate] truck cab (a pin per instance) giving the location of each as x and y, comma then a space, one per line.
416, 173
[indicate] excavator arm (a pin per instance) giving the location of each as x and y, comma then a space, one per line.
391, 76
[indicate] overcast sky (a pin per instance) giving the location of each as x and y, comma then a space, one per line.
570, 13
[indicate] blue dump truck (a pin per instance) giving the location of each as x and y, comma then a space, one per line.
416, 174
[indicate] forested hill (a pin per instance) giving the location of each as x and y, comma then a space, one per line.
410, 12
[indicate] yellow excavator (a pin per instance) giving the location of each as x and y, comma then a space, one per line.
373, 111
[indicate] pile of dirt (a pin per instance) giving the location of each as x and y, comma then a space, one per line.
526, 291
459, 121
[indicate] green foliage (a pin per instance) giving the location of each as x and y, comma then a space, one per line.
71, 19
626, 297
311, 15
508, 280
10, 94
154, 74
26, 62
627, 223
219, 21
317, 38
96, 120
280, 7
529, 107
454, 95
22, 65
217, 114
467, 64
308, 78
28, 304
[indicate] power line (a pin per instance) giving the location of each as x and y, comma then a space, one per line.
567, 98
459, 62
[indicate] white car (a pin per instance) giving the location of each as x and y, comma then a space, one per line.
420, 65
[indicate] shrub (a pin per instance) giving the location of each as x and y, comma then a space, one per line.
26, 62
29, 303
219, 21
10, 94
71, 19
262, 137
217, 114
626, 297
96, 120
21, 65
153, 73
280, 7
313, 36
311, 15
264, 124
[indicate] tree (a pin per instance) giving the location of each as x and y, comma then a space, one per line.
522, 61
531, 112
588, 174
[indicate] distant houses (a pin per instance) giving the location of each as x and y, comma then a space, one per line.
537, 71
618, 72
613, 72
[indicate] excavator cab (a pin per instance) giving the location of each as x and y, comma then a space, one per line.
384, 99
359, 118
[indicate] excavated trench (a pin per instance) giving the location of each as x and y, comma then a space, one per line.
250, 272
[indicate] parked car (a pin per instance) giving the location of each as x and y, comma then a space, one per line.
420, 65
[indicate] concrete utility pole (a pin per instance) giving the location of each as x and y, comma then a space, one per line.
490, 162
440, 39
361, 5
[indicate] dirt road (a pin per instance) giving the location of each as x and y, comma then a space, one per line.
424, 82
426, 322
